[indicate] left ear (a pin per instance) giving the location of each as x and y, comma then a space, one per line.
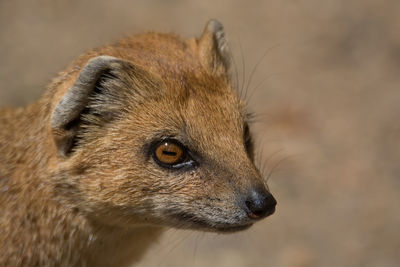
105, 87
214, 52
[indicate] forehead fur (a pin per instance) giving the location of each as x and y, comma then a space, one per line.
164, 54
206, 101
189, 89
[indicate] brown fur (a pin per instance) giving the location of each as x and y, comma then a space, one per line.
104, 202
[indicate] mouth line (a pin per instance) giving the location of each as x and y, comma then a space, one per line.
231, 229
194, 222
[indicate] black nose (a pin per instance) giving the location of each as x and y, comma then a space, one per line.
260, 204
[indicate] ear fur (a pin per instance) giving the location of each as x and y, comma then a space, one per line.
214, 52
98, 96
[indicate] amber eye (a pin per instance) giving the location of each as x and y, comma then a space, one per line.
169, 153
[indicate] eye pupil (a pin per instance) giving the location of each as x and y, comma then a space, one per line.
169, 153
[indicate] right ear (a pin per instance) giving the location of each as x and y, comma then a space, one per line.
103, 88
214, 52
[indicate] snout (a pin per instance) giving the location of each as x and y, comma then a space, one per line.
259, 203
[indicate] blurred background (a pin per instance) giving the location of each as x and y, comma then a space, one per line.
323, 80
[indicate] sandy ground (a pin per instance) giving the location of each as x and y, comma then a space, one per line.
327, 93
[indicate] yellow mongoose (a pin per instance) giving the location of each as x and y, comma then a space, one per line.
130, 139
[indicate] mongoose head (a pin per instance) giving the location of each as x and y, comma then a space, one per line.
152, 132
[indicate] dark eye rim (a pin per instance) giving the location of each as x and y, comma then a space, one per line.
186, 161
248, 141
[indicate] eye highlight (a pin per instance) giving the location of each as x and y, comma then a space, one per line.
172, 154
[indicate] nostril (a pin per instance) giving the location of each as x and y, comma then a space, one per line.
260, 205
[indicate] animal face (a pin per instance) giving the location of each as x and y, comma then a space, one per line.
141, 149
